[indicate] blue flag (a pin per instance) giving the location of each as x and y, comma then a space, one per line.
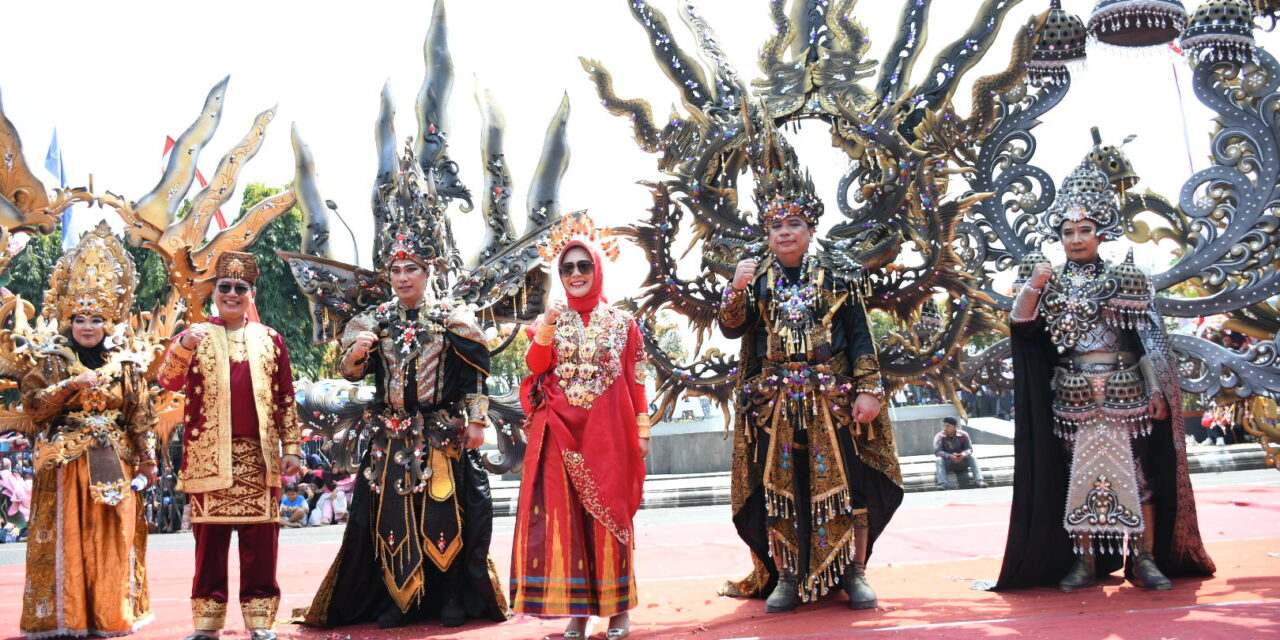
53, 162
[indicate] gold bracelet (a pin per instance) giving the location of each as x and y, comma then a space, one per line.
544, 334
643, 427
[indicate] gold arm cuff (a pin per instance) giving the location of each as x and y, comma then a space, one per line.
478, 408
58, 394
353, 369
545, 334
176, 362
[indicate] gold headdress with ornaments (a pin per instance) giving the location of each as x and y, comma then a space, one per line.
238, 265
577, 226
96, 277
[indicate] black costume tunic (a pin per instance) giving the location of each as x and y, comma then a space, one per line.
356, 588
813, 525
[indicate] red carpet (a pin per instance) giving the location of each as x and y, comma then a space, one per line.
921, 571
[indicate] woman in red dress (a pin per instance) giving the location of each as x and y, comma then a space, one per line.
588, 434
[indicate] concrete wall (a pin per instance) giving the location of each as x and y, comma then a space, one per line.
690, 451
701, 447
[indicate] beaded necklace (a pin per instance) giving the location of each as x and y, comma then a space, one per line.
793, 306
1074, 301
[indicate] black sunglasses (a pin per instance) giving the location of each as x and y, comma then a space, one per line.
226, 287
584, 267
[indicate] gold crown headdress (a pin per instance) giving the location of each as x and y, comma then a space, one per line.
238, 265
577, 226
96, 277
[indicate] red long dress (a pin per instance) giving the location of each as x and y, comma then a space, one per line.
583, 473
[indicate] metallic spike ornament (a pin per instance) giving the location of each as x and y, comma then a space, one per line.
415, 219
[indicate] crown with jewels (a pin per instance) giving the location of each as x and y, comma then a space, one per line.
577, 226
96, 278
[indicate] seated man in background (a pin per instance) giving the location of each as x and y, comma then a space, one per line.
955, 453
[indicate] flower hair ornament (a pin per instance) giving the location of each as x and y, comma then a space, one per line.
577, 226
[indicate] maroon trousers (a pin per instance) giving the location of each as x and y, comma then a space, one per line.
259, 544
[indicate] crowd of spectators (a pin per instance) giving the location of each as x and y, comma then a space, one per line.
317, 496
15, 486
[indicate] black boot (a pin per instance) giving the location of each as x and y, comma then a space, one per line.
861, 596
1081, 575
392, 618
452, 614
1141, 568
1143, 572
785, 595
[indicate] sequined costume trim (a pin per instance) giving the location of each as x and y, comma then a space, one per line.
208, 614
589, 356
259, 613
589, 493
733, 307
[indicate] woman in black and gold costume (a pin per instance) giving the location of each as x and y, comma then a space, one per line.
90, 410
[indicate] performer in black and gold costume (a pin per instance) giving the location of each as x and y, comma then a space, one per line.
1100, 461
815, 476
417, 544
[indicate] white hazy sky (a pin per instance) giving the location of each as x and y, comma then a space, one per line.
116, 77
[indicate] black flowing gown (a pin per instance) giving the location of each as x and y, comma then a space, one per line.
353, 591
1038, 551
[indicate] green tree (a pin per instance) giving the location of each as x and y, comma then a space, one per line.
153, 278
281, 305
509, 365
28, 274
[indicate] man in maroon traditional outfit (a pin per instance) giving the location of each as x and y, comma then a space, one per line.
242, 432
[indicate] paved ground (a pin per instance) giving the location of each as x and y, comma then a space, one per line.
935, 547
